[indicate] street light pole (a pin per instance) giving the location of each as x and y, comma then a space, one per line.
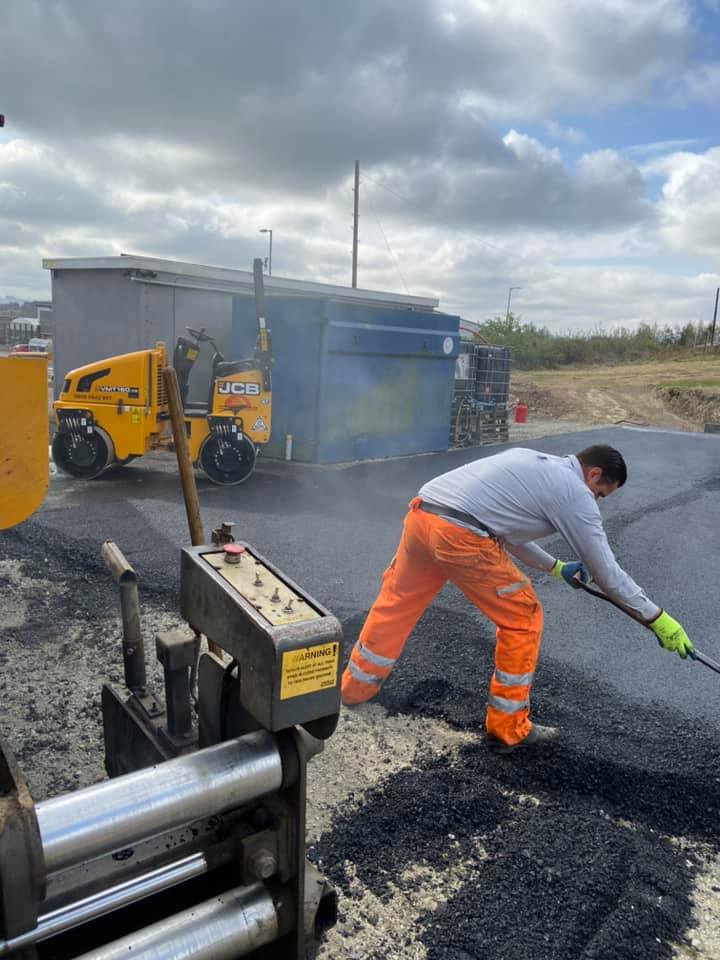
507, 312
356, 206
265, 230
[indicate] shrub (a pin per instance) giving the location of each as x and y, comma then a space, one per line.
535, 346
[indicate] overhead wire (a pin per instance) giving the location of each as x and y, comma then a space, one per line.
545, 275
387, 244
461, 233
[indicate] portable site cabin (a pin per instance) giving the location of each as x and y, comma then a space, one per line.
355, 381
357, 373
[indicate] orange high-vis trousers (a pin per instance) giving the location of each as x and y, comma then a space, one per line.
432, 551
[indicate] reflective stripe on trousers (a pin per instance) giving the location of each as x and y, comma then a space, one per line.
432, 551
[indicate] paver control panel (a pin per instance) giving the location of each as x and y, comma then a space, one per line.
288, 646
271, 596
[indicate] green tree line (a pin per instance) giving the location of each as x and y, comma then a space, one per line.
535, 346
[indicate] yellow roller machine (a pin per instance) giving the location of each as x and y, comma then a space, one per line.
114, 410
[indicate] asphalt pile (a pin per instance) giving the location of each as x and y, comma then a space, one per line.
585, 871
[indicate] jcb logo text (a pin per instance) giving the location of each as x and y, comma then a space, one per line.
244, 389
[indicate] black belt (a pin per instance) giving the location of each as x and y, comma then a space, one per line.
467, 518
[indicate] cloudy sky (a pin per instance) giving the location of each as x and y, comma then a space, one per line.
567, 147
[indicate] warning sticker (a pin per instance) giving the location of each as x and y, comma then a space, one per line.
259, 424
308, 670
135, 416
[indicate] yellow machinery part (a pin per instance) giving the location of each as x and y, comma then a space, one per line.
125, 398
24, 436
242, 395
125, 394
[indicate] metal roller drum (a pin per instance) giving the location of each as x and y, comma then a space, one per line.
117, 813
230, 925
106, 901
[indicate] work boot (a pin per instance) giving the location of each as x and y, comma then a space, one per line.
538, 735
354, 692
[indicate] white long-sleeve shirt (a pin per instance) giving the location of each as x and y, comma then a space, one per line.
523, 495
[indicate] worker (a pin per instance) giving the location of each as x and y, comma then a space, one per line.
462, 527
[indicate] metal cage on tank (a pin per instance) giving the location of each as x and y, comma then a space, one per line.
479, 412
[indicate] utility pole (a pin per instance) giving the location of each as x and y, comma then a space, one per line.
268, 261
355, 223
712, 330
507, 312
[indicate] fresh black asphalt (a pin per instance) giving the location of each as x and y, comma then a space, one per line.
589, 872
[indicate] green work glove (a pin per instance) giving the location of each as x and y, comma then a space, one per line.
671, 635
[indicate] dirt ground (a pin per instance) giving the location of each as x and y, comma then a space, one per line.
676, 394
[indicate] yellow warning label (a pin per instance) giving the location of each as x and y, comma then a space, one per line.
309, 670
135, 416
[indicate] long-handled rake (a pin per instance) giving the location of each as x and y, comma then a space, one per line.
694, 654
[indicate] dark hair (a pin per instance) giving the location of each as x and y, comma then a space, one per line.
608, 459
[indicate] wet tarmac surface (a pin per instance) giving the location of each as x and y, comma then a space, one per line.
567, 854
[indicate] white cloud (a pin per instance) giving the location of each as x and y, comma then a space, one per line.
700, 84
619, 297
607, 170
569, 134
689, 208
658, 148
526, 186
290, 91
531, 151
181, 135
469, 272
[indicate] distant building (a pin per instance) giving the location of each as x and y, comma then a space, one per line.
104, 306
21, 329
32, 310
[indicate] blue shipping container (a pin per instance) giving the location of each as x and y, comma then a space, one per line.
354, 382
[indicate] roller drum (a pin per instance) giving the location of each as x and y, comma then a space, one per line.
230, 925
117, 813
107, 901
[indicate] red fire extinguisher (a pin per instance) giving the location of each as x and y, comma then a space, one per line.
521, 412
